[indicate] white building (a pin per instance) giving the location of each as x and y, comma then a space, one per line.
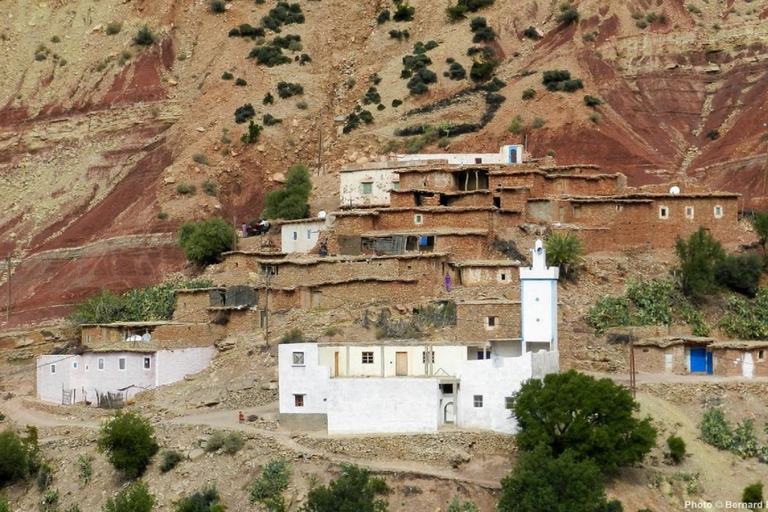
509, 154
300, 235
416, 387
81, 377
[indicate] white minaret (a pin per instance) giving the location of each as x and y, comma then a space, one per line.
538, 300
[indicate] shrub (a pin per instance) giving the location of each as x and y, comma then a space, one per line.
458, 11
204, 242
162, 215
353, 490
353, 121
753, 495
50, 501
396, 103
383, 17
456, 71
538, 122
676, 447
529, 94
240, 82
215, 442
594, 117
516, 125
760, 225
15, 457
171, 459
592, 101
185, 189
233, 443
128, 440
290, 202
269, 56
371, 96
200, 158
304, 59
716, 430
227, 76
375, 79
244, 113
293, 336
588, 37
114, 27
287, 89
302, 105
399, 34
565, 252
217, 6
482, 32
44, 477
4, 505
740, 273
144, 37
567, 14
641, 24
252, 135
365, 116
403, 12
697, 257
268, 488
482, 70
531, 33
211, 188
457, 505
268, 99
270, 120
206, 500
134, 498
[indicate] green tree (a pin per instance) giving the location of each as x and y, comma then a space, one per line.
103, 308
563, 484
134, 498
290, 202
760, 225
353, 491
14, 457
268, 488
565, 252
204, 242
698, 256
593, 419
129, 442
4, 505
753, 495
740, 273
676, 447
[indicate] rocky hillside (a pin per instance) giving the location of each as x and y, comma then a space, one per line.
97, 132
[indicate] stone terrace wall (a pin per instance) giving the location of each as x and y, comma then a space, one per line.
471, 322
435, 219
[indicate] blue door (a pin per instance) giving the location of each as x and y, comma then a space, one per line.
698, 360
709, 363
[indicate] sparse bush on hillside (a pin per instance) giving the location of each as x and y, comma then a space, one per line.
186, 189
134, 498
84, 468
204, 242
399, 34
210, 188
698, 256
217, 6
304, 59
462, 7
740, 273
240, 82
568, 14
252, 134
268, 488
355, 490
244, 113
270, 120
383, 17
287, 89
676, 447
455, 71
171, 459
592, 101
200, 158
516, 125
129, 443
269, 56
403, 12
144, 37
227, 76
752, 496
268, 99
482, 32
484, 65
114, 27
293, 336
15, 457
233, 443
206, 500
560, 80
282, 14
371, 96
531, 33
44, 477
4, 505
216, 441
529, 94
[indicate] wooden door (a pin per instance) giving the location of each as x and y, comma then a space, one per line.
401, 364
335, 364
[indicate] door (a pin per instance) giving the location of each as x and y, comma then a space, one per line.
709, 363
669, 363
698, 360
335, 364
401, 364
449, 416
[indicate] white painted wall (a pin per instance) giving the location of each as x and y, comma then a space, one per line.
174, 365
300, 236
747, 365
351, 187
376, 405
509, 154
384, 364
538, 299
310, 379
543, 363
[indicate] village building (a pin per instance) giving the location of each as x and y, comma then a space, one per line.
412, 386
302, 235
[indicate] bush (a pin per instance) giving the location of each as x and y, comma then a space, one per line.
458, 11
483, 33
252, 135
740, 273
200, 158
399, 34
15, 457
293, 336
396, 103
185, 189
204, 242
287, 89
270, 120
371, 96
304, 59
302, 105
171, 459
240, 82
383, 17
745, 319
50, 501
227, 76
538, 122
560, 80
353, 490
244, 113
269, 56
592, 101
114, 27
565, 252
483, 70
144, 37
567, 14
594, 117
531, 33
676, 447
268, 99
716, 430
760, 225
233, 443
456, 71
698, 256
529, 94
84, 468
128, 440
217, 6
4, 505
403, 12
211, 188
215, 442
753, 495
290, 202
134, 498
268, 488
44, 477
206, 500
516, 125
457, 505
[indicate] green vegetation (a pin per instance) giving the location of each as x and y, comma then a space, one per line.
562, 484
529, 94
129, 442
740, 273
252, 135
231, 443
753, 496
676, 447
269, 56
455, 70
244, 113
484, 64
44, 477
4, 505
293, 336
205, 500
290, 202
399, 34
403, 11
459, 11
698, 256
565, 252
354, 490
457, 505
590, 419
594, 117
560, 80
760, 225
227, 76
240, 82
592, 101
50, 501
270, 120
171, 459
200, 158
745, 319
84, 468
268, 99
186, 189
374, 78
516, 125
210, 188
282, 14
267, 489
531, 33
482, 32
114, 27
246, 30
215, 442
217, 6
287, 89
17, 457
134, 498
538, 122
371, 96
144, 37
203, 242
568, 14
383, 17
720, 433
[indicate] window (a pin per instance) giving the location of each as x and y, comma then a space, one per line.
483, 354
87, 338
53, 368
478, 160
368, 188
309, 234
507, 402
689, 212
367, 357
74, 365
295, 235
490, 322
418, 219
447, 389
424, 357
663, 212
147, 363
298, 359
270, 270
100, 364
298, 400
478, 400
576, 210
395, 185
502, 277
121, 363
761, 355
619, 207
718, 212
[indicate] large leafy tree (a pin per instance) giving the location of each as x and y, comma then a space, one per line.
353, 491
204, 242
290, 202
563, 484
129, 442
566, 252
698, 256
593, 419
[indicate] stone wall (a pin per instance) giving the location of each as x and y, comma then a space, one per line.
192, 306
651, 359
443, 218
472, 321
463, 246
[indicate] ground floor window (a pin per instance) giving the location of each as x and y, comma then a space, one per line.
478, 400
147, 363
121, 363
298, 400
367, 357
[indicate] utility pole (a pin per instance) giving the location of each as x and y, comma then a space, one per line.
266, 307
632, 378
320, 149
8, 273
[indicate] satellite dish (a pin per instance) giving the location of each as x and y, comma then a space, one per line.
674, 190
322, 214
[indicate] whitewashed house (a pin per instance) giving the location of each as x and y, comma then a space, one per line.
509, 154
415, 386
300, 235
